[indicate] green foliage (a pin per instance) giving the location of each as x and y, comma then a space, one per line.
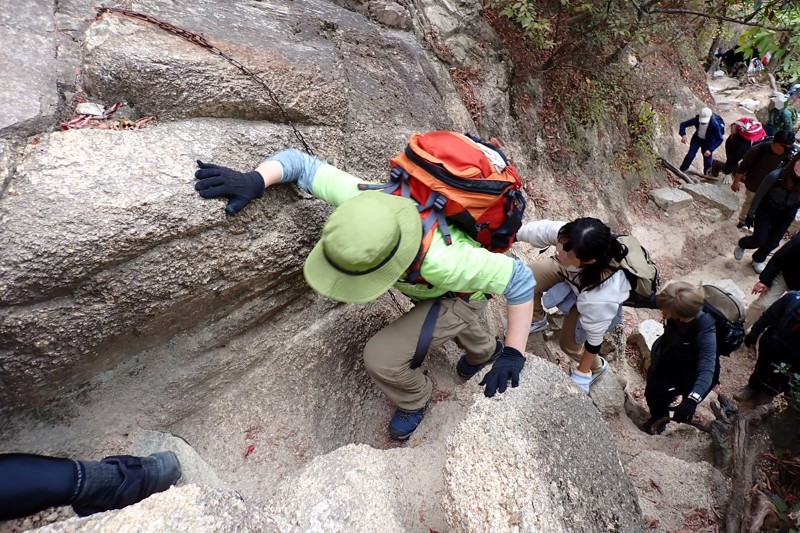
793, 396
529, 18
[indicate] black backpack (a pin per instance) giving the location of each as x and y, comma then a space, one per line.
729, 314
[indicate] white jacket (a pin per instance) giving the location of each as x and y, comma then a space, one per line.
597, 307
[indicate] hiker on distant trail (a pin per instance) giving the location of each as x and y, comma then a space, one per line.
781, 116
367, 247
759, 161
733, 60
772, 212
781, 274
582, 283
778, 335
32, 483
684, 359
709, 131
743, 134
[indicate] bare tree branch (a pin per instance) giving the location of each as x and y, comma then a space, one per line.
718, 17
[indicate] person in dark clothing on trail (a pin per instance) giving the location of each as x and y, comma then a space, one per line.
709, 131
779, 343
759, 161
781, 274
684, 359
772, 212
733, 60
743, 134
32, 483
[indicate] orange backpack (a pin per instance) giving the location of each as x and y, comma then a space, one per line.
460, 179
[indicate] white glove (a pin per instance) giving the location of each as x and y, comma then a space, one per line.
727, 179
583, 380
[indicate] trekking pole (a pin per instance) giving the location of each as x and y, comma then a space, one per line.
201, 41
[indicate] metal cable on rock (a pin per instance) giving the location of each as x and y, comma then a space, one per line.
201, 41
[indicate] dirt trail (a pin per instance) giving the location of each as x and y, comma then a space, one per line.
694, 245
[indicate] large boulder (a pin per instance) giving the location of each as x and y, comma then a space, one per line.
321, 65
533, 459
28, 92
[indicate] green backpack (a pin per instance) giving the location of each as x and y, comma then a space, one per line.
641, 271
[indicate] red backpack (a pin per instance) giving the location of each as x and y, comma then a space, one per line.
460, 179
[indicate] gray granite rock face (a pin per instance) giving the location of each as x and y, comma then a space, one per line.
28, 92
671, 200
190, 508
531, 461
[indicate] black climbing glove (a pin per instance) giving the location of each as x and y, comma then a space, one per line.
685, 411
750, 339
749, 220
238, 187
507, 366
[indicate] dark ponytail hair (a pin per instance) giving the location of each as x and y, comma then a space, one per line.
588, 238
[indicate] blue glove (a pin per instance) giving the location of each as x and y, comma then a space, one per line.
238, 187
685, 411
581, 380
507, 366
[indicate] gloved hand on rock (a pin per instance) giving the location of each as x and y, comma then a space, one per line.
222, 182
750, 339
507, 366
685, 411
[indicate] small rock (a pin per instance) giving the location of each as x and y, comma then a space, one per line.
671, 200
719, 74
89, 108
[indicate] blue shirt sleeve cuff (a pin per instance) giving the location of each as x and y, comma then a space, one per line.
520, 287
298, 167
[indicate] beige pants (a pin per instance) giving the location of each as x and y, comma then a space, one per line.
547, 274
764, 300
388, 355
748, 201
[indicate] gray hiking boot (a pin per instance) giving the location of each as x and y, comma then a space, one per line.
738, 253
600, 371
759, 267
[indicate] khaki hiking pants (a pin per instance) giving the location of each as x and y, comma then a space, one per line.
388, 355
547, 274
748, 201
764, 300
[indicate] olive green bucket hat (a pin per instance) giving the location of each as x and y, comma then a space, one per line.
366, 246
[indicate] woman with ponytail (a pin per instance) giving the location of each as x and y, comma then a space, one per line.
772, 212
582, 281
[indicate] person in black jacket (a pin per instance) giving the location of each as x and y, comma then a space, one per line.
773, 211
781, 274
684, 359
779, 331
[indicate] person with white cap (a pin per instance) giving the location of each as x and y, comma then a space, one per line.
366, 248
780, 116
709, 131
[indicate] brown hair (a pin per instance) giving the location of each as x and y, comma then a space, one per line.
681, 299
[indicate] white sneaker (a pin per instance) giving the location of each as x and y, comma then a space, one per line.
759, 267
540, 325
738, 253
